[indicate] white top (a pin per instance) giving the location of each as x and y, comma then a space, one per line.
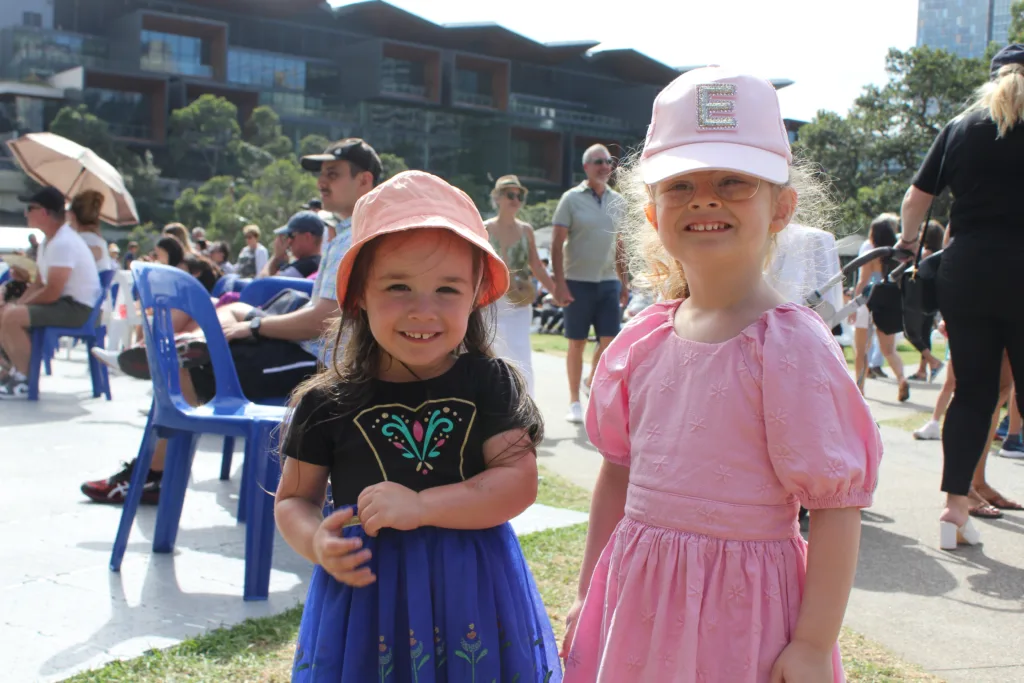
91, 239
67, 250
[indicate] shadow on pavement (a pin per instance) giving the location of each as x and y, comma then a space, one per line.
893, 563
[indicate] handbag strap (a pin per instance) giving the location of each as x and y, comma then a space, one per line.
928, 216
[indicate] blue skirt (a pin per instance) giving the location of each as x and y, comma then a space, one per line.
448, 606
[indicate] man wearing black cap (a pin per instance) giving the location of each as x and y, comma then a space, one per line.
302, 237
274, 353
62, 296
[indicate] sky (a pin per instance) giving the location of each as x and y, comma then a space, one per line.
831, 50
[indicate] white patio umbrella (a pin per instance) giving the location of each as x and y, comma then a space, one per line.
54, 160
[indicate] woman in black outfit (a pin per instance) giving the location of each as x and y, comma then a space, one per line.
979, 157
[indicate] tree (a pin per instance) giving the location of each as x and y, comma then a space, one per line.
1016, 32
392, 165
195, 206
87, 129
208, 132
263, 130
312, 144
539, 215
142, 179
872, 153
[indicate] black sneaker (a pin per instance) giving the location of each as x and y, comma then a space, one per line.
114, 490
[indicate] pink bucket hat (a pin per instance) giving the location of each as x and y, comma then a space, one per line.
716, 119
415, 199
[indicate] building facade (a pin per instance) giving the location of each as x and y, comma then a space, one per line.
963, 27
475, 99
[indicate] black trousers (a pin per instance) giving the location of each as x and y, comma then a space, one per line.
980, 298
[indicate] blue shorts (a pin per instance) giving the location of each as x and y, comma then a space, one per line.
594, 303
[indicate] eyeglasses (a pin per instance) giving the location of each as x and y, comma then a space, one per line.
515, 196
600, 162
726, 185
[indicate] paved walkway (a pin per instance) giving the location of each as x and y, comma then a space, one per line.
61, 608
959, 615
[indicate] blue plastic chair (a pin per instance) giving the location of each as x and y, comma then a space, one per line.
162, 289
262, 290
257, 293
45, 340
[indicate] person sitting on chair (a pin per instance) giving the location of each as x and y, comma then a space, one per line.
63, 294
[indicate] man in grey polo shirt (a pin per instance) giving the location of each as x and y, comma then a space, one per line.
588, 272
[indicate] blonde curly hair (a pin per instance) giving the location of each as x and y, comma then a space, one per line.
653, 268
86, 207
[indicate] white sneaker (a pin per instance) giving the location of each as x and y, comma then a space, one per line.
108, 358
575, 414
931, 431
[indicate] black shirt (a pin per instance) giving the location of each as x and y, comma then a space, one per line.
301, 268
417, 434
984, 173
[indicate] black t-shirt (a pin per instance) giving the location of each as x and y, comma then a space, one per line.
417, 434
984, 173
301, 268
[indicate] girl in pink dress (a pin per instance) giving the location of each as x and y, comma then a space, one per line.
719, 412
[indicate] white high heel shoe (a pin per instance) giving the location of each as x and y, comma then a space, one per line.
950, 535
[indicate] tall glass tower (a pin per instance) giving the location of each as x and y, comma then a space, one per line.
963, 27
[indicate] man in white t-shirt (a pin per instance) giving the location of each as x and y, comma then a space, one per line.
63, 295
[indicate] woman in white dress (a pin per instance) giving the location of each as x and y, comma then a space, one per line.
513, 240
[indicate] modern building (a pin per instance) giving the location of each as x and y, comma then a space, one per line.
472, 99
963, 27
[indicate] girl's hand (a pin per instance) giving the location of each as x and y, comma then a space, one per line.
341, 557
389, 505
802, 662
570, 627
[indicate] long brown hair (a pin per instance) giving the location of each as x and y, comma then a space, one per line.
357, 359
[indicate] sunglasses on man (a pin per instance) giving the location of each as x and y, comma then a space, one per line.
601, 162
514, 195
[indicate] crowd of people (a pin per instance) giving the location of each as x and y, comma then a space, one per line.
411, 392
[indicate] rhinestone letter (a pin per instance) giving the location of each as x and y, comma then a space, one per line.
715, 114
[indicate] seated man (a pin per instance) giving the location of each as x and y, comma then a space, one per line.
272, 353
302, 236
63, 294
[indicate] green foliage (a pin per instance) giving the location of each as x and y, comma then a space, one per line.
141, 175
312, 144
392, 165
539, 215
1016, 33
206, 132
872, 153
263, 130
87, 129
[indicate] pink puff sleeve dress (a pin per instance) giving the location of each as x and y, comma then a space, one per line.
701, 581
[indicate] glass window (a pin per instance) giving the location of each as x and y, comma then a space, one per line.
34, 19
127, 113
266, 70
403, 76
172, 53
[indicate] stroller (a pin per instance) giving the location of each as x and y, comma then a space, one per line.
818, 302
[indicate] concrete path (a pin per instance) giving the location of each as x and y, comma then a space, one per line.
61, 608
959, 615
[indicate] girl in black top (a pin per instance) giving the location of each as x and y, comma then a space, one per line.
979, 157
431, 441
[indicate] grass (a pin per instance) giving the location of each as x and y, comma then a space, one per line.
261, 650
559, 492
